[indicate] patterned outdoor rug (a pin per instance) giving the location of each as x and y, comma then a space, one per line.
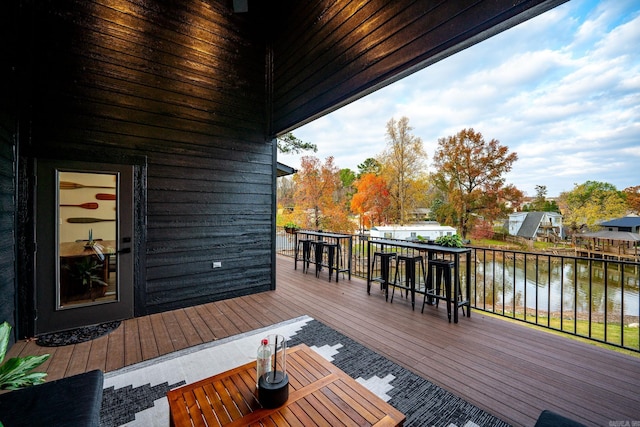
76, 336
135, 395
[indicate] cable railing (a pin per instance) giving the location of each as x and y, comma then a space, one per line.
597, 299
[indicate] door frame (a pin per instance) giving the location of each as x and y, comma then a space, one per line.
48, 317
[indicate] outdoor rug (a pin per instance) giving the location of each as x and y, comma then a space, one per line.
136, 395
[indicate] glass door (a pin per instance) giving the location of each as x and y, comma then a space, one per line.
84, 232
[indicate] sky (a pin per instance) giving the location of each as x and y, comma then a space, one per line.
561, 90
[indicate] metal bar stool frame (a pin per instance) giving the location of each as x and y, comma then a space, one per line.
306, 253
385, 270
333, 254
443, 270
411, 262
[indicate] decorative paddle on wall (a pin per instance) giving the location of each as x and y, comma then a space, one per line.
68, 185
85, 220
105, 196
89, 205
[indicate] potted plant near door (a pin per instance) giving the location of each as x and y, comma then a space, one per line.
85, 271
16, 372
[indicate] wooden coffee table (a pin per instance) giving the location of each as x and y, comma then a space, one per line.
319, 395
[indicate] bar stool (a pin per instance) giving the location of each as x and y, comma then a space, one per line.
443, 269
317, 248
412, 263
384, 259
306, 252
333, 256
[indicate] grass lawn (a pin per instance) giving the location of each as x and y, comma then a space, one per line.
552, 325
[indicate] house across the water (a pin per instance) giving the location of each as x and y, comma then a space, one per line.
619, 239
428, 231
536, 225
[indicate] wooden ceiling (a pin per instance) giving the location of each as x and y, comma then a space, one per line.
327, 53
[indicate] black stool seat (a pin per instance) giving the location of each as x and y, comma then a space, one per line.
317, 248
443, 270
306, 252
384, 258
411, 265
333, 258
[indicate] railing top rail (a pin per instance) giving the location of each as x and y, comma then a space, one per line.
551, 255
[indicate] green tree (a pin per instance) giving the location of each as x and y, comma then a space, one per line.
289, 144
347, 177
540, 202
403, 167
540, 199
591, 203
469, 173
370, 165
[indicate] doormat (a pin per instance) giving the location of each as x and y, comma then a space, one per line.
136, 395
76, 336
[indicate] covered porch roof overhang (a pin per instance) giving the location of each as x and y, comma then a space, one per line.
328, 54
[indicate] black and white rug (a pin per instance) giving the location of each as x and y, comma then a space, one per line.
135, 395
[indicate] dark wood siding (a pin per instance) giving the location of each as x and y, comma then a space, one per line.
336, 51
7, 212
8, 90
182, 84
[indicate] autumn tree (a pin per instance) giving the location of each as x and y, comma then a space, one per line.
318, 192
370, 200
403, 167
469, 173
633, 198
591, 203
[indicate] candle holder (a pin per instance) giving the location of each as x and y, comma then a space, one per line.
273, 386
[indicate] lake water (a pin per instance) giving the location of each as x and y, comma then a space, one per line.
562, 286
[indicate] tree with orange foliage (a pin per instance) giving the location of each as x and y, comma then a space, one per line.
371, 199
469, 173
633, 198
318, 194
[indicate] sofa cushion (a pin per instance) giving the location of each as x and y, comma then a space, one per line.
72, 401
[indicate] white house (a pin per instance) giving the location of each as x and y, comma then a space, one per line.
428, 231
531, 225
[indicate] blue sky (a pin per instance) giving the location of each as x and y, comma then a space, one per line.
562, 90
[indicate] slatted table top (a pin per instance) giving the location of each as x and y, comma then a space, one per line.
320, 394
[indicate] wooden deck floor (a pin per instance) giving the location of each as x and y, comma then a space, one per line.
506, 368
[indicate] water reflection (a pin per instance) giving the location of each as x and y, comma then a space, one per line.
559, 285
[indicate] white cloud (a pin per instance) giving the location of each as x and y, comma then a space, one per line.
562, 90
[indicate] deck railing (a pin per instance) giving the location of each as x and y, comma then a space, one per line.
598, 299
